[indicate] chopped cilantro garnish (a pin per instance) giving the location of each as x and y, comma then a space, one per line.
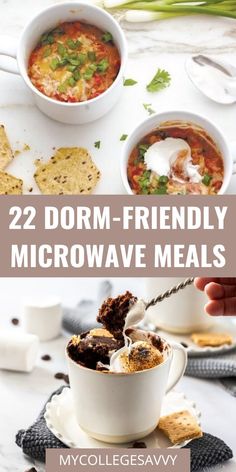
63, 62
144, 181
103, 65
89, 72
82, 58
123, 137
148, 107
97, 144
91, 55
61, 49
71, 81
71, 68
160, 81
129, 82
163, 180
142, 148
73, 61
76, 75
71, 44
47, 52
107, 37
47, 38
55, 63
62, 87
160, 191
58, 30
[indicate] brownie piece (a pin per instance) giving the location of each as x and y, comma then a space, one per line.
113, 312
101, 367
90, 349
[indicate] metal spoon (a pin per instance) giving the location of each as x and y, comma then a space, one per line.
171, 291
222, 66
216, 79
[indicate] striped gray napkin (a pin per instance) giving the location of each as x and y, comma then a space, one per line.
219, 366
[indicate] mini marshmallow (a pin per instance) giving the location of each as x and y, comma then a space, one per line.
43, 317
18, 351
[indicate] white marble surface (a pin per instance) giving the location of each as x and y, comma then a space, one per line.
23, 395
166, 45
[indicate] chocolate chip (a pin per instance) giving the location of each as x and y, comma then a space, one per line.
61, 376
46, 357
138, 445
66, 379
184, 345
15, 321
31, 470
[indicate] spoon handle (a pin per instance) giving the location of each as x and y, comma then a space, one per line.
170, 292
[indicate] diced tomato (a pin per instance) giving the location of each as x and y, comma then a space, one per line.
72, 99
97, 79
217, 185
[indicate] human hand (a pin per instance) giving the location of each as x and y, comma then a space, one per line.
221, 293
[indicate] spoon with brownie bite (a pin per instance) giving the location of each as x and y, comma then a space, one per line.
119, 314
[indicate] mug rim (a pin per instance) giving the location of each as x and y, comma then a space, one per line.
125, 374
192, 116
123, 53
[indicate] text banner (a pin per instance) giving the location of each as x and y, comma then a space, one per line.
117, 236
163, 460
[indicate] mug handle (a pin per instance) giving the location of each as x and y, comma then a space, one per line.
178, 365
8, 48
232, 147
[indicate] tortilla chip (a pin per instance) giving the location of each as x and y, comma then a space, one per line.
6, 154
10, 185
211, 339
180, 426
70, 171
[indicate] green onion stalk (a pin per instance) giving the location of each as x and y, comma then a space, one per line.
147, 10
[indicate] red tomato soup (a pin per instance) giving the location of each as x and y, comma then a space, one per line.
176, 158
74, 62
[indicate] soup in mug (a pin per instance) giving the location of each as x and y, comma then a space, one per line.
74, 62
176, 158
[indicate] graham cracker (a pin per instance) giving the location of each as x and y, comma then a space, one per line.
211, 339
180, 426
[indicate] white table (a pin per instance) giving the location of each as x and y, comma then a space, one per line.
164, 44
23, 395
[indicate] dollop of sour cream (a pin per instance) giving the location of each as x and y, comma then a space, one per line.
134, 316
161, 156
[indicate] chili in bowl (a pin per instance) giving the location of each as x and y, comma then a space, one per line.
176, 153
72, 57
74, 62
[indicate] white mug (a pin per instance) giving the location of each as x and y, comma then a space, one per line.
228, 152
71, 113
123, 407
182, 313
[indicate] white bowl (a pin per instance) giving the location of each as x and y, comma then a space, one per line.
72, 113
154, 121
